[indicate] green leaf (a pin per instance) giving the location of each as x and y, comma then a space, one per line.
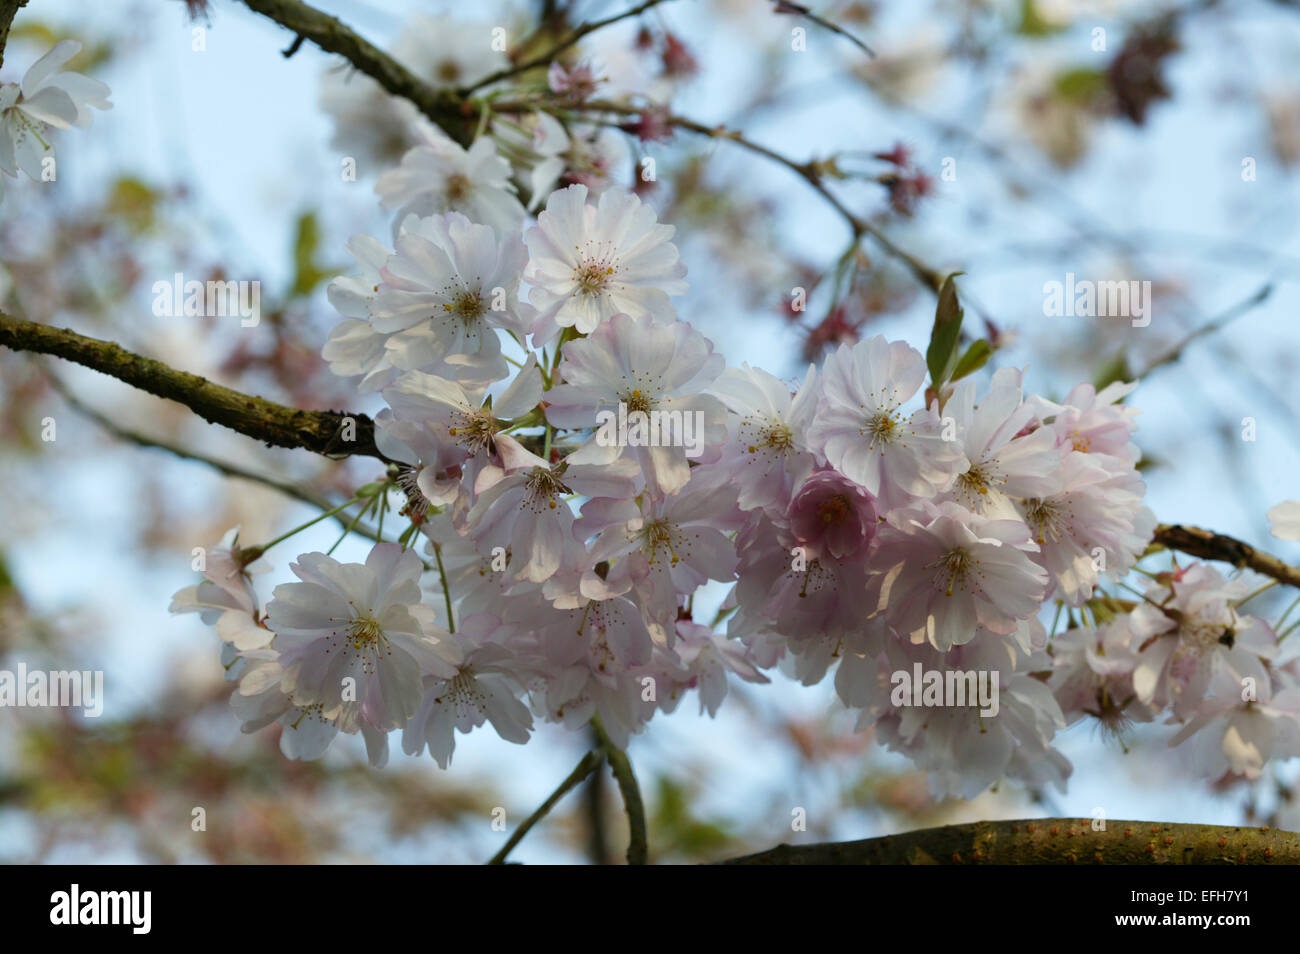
1080, 85
1032, 22
1116, 369
976, 356
306, 243
941, 356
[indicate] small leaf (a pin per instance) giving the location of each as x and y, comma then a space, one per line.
941, 356
976, 356
1116, 369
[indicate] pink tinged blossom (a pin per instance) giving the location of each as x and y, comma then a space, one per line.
355, 346
444, 295
938, 572
1092, 675
705, 659
766, 454
829, 514
861, 430
1092, 522
440, 176
637, 365
527, 510
355, 639
1243, 722
483, 690
449, 438
1094, 422
665, 548
1002, 462
783, 590
588, 263
226, 598
1189, 629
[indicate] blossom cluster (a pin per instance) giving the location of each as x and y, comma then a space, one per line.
860, 522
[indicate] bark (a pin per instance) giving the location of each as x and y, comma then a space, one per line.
323, 432
1050, 841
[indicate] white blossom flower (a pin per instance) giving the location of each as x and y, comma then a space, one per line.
450, 285
588, 263
483, 689
940, 571
440, 176
48, 98
630, 365
355, 639
860, 429
355, 347
374, 126
1284, 520
227, 598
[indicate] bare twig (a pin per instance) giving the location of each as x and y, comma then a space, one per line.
578, 33
590, 762
798, 9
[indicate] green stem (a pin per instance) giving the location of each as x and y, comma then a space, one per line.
590, 762
252, 553
349, 528
637, 851
446, 590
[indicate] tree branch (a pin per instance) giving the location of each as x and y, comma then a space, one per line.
443, 106
1209, 545
8, 10
1049, 841
322, 432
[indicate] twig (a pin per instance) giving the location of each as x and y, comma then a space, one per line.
1050, 841
798, 9
590, 762
579, 32
637, 850
230, 470
1209, 545
930, 277
1215, 324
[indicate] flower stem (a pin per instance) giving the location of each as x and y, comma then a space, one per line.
590, 762
252, 553
621, 766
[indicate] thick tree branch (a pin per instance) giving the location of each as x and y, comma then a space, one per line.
1209, 545
1049, 841
323, 432
8, 10
443, 106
